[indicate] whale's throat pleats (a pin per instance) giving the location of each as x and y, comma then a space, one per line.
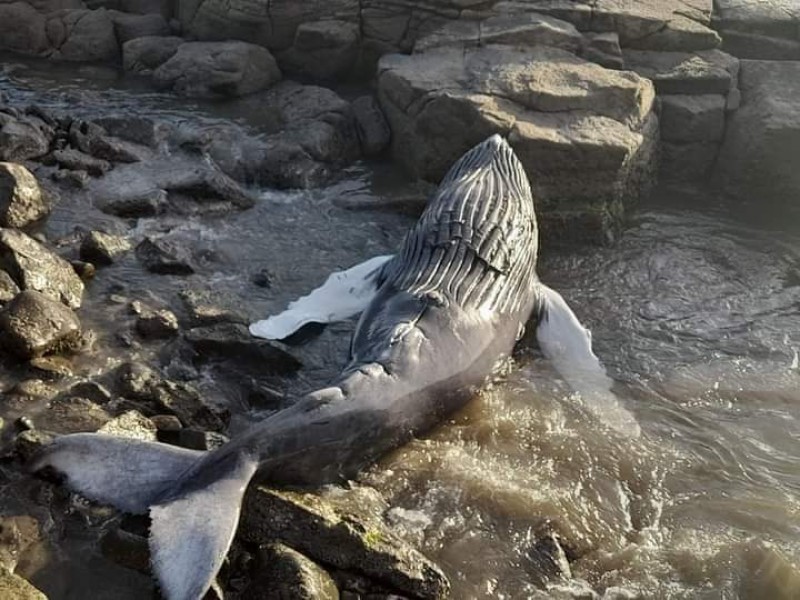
476, 242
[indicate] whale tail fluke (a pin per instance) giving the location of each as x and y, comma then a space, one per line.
191, 532
126, 473
194, 499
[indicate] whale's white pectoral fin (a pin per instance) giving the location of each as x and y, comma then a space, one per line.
568, 345
344, 294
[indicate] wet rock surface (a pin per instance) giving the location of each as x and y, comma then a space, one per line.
33, 324
22, 201
102, 248
33, 267
340, 539
285, 573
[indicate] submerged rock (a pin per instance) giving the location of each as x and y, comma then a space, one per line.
22, 201
33, 324
340, 539
164, 257
75, 160
214, 69
154, 323
283, 573
34, 267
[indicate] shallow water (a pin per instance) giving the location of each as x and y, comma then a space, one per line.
695, 313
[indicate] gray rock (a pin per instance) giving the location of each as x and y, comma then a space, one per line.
92, 139
233, 342
102, 248
209, 183
135, 206
209, 308
603, 49
130, 424
74, 179
162, 396
22, 201
21, 139
154, 323
164, 257
133, 128
14, 586
687, 118
91, 390
33, 324
75, 160
339, 538
8, 287
72, 414
18, 533
146, 54
373, 130
285, 573
52, 367
524, 30
34, 267
271, 25
323, 50
218, 69
708, 72
586, 135
130, 26
82, 35
758, 161
23, 29
125, 548
760, 47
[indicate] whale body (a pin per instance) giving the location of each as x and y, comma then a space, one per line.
437, 317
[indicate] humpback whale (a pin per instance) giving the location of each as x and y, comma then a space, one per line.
436, 317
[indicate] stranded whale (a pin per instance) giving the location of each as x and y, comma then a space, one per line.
436, 318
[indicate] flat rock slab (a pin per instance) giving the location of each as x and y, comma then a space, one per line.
779, 18
580, 130
645, 24
759, 160
692, 118
704, 72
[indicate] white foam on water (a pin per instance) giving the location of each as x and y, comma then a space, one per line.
344, 294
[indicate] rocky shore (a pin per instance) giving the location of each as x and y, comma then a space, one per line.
599, 99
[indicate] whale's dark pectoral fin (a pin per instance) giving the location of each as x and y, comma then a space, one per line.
191, 532
344, 294
568, 346
126, 473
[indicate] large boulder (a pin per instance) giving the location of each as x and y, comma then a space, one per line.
214, 69
82, 35
23, 137
145, 54
759, 29
270, 23
22, 201
14, 586
759, 161
33, 324
129, 26
23, 29
323, 49
585, 134
34, 267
